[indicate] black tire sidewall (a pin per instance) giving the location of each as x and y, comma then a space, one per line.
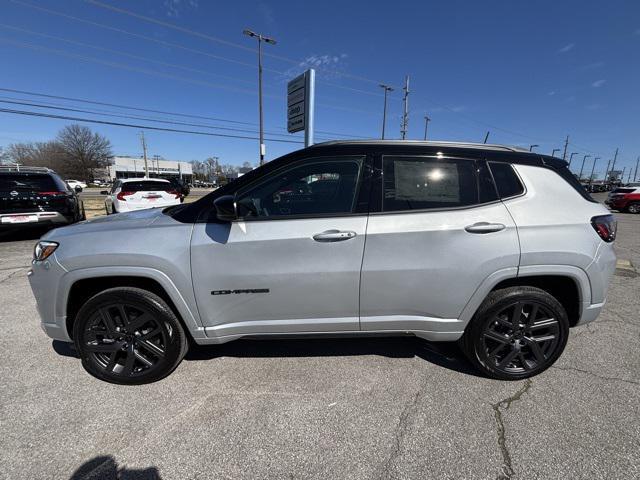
175, 349
497, 301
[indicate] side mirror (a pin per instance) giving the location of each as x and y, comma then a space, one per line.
226, 208
78, 188
104, 192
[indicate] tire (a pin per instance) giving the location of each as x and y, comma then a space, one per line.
633, 207
106, 209
142, 345
113, 209
499, 350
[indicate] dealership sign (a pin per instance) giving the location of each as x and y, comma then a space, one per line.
300, 103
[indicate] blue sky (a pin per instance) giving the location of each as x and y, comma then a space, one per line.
530, 72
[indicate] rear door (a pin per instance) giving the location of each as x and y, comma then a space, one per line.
439, 231
292, 262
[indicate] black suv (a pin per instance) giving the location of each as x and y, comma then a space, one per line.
36, 196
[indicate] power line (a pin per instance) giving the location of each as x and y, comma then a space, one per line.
146, 127
148, 110
131, 117
125, 54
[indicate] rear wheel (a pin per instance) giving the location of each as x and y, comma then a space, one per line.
633, 207
129, 336
516, 333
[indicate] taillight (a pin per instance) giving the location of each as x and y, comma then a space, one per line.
51, 193
605, 226
121, 195
174, 192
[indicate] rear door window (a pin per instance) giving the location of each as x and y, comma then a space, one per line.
419, 183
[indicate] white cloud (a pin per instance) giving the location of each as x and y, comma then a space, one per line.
593, 106
328, 65
173, 8
637, 32
598, 83
567, 47
458, 108
267, 14
551, 93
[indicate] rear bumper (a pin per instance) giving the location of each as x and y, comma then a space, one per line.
8, 220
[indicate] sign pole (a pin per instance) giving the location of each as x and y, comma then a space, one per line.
310, 101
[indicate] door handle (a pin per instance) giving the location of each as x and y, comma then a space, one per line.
334, 236
484, 227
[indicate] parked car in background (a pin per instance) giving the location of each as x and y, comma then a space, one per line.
180, 186
625, 199
464, 242
128, 194
76, 183
36, 197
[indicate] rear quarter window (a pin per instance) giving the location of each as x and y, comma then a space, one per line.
27, 182
145, 186
506, 180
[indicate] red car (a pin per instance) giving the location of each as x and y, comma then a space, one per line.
625, 199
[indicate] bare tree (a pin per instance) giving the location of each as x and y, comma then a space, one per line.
37, 154
84, 150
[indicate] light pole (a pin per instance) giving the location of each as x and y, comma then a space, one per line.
593, 169
261, 38
636, 170
531, 147
553, 154
387, 89
571, 158
582, 167
426, 125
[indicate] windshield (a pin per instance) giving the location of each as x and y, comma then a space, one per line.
30, 182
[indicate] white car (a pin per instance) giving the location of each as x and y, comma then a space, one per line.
129, 194
76, 183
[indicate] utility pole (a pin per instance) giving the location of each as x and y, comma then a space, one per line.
593, 169
387, 89
144, 153
405, 110
486, 137
571, 158
531, 147
581, 168
426, 124
261, 38
624, 170
566, 144
553, 153
636, 172
157, 159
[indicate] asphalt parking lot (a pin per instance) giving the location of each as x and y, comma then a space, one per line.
356, 409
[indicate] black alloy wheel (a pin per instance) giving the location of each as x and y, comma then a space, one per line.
129, 336
518, 332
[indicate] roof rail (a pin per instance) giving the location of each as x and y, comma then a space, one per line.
24, 169
471, 145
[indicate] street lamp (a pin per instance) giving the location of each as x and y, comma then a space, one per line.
386, 89
261, 38
571, 158
582, 167
593, 169
553, 154
426, 125
531, 147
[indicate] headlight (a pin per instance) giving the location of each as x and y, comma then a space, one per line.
43, 250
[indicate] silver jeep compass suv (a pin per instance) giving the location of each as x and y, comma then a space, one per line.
499, 249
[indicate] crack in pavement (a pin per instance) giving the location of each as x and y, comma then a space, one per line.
12, 274
602, 377
507, 471
401, 429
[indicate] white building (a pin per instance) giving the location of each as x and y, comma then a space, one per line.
131, 167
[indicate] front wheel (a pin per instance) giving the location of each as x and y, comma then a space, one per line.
128, 336
516, 333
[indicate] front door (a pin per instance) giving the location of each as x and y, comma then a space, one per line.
438, 233
291, 263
